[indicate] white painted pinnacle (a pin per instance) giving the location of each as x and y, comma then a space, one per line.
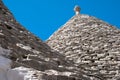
77, 10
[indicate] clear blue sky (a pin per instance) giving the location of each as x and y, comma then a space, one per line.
43, 17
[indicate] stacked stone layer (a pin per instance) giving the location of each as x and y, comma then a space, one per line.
93, 45
30, 56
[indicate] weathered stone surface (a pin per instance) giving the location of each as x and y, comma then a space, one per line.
32, 59
93, 46
89, 50
23, 44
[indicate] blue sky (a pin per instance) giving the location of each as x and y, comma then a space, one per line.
44, 17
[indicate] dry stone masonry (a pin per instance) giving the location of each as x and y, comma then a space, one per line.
77, 10
23, 56
93, 46
85, 48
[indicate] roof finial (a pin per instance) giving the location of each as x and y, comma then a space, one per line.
77, 9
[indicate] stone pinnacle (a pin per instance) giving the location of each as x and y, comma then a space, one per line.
77, 9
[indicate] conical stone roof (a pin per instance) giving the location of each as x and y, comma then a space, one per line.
22, 43
92, 44
32, 59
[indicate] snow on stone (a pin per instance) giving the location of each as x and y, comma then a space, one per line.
28, 48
